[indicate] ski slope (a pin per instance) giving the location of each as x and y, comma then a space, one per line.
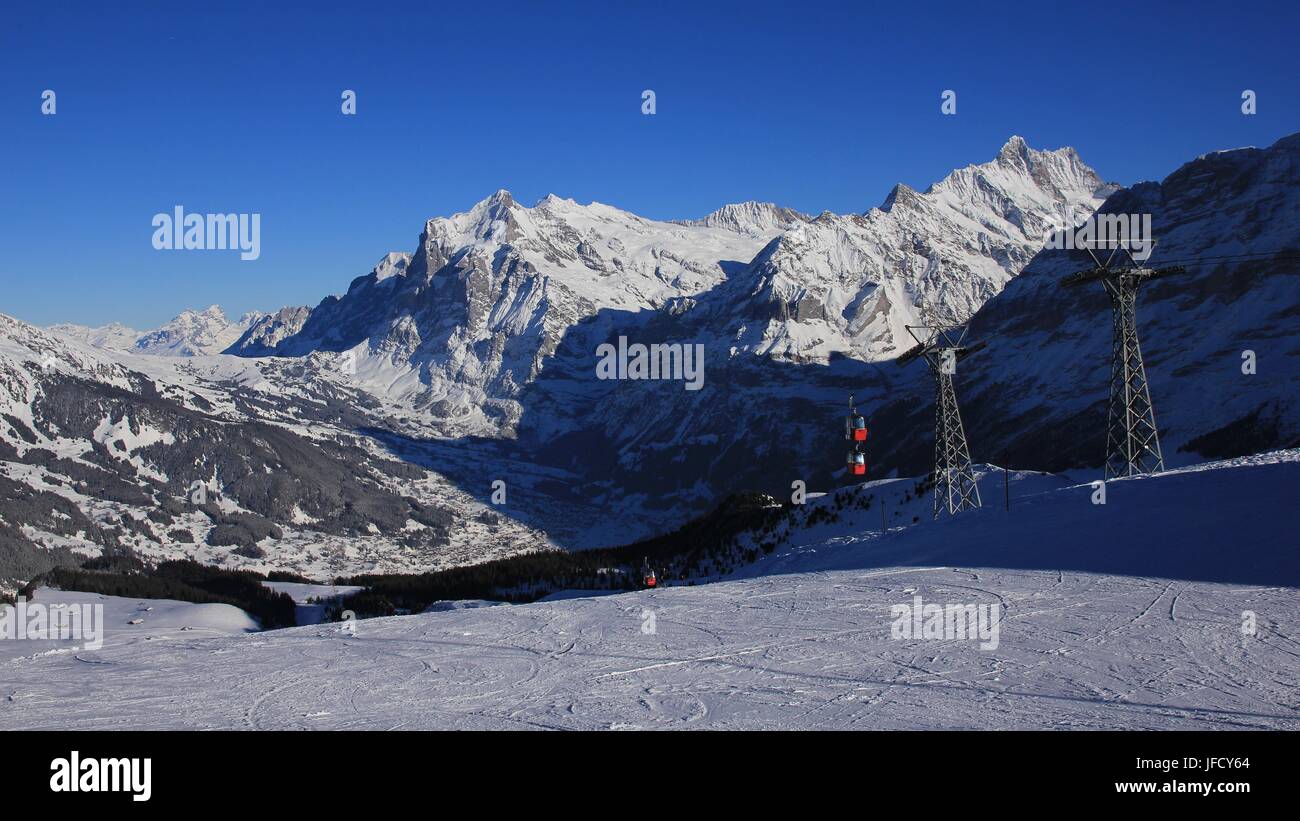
127, 620
1116, 616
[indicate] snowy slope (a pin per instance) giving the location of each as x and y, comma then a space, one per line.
156, 619
1143, 631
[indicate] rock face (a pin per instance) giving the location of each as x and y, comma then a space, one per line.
266, 332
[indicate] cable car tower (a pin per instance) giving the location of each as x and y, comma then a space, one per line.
943, 345
1132, 441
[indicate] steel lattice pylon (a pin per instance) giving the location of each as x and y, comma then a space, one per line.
941, 345
1132, 440
954, 481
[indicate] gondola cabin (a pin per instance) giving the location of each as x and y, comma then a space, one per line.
648, 577
856, 463
855, 428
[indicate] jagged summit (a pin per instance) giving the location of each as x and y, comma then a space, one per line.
393, 264
555, 200
1014, 147
753, 218
850, 284
900, 192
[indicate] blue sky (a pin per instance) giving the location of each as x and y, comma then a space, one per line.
816, 106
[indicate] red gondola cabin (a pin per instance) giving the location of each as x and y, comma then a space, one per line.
856, 463
855, 428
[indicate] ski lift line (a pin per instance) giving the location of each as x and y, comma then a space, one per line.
1242, 255
1208, 261
1184, 262
1236, 257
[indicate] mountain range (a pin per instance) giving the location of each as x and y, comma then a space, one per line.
191, 333
365, 432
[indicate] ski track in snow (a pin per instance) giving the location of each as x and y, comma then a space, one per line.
792, 651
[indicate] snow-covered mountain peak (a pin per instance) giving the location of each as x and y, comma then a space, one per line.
263, 334
393, 264
210, 314
854, 282
491, 219
555, 201
192, 332
752, 218
1015, 148
114, 336
900, 193
195, 333
1020, 172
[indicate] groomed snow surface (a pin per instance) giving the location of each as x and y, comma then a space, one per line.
1115, 616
